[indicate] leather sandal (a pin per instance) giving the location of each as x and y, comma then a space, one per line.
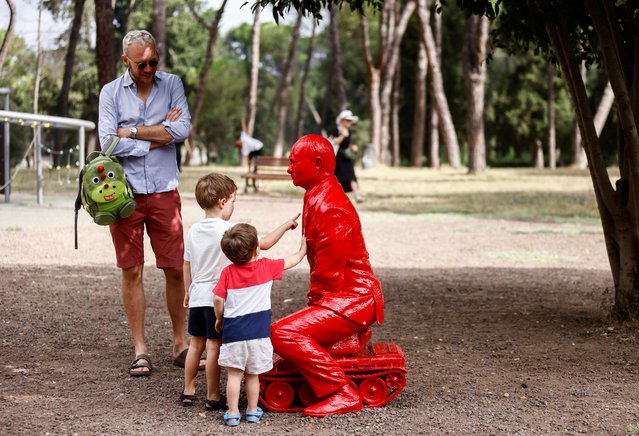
141, 361
187, 400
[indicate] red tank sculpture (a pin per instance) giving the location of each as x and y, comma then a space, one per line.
378, 372
323, 364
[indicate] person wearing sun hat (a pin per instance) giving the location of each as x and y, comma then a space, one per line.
345, 153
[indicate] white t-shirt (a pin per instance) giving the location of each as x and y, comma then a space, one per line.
249, 144
202, 249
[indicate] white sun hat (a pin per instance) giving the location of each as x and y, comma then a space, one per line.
346, 115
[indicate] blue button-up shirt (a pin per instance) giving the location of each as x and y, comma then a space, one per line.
147, 170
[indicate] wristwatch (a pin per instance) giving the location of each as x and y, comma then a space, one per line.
134, 131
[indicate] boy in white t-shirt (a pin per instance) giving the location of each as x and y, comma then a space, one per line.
243, 314
203, 264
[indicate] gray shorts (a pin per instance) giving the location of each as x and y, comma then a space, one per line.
253, 357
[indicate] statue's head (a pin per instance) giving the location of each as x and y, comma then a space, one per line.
312, 160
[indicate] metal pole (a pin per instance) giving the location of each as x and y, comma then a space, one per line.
38, 154
7, 163
81, 144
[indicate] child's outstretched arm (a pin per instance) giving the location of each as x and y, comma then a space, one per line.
271, 239
294, 259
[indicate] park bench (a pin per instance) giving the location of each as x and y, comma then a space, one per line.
266, 168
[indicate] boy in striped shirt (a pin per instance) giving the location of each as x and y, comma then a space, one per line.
242, 305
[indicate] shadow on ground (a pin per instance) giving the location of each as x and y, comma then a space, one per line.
516, 351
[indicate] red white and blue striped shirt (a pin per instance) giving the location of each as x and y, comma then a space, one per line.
246, 290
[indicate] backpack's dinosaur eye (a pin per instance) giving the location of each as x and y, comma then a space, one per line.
111, 174
95, 180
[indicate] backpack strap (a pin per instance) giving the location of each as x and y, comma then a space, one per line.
78, 205
114, 142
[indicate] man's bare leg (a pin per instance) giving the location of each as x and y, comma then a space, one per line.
134, 306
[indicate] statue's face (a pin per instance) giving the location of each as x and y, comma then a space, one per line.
303, 168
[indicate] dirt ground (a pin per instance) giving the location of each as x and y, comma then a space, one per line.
503, 323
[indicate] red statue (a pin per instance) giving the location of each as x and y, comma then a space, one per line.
322, 346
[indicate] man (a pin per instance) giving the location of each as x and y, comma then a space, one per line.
344, 296
147, 109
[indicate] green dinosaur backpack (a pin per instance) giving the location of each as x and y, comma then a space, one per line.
103, 189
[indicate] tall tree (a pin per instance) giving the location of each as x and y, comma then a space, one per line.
394, 32
337, 74
419, 111
299, 131
282, 92
552, 136
579, 159
251, 104
474, 65
604, 31
204, 73
104, 42
69, 62
447, 128
4, 49
433, 144
159, 30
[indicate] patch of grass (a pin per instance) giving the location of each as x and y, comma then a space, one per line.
564, 195
527, 257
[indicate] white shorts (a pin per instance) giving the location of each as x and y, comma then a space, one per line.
253, 357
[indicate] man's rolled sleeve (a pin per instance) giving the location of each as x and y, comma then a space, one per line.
181, 128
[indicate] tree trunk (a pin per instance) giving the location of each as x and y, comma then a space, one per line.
374, 81
302, 97
605, 104
255, 63
282, 94
474, 51
201, 88
537, 154
104, 42
394, 34
419, 110
552, 142
69, 61
337, 78
396, 159
4, 49
433, 145
159, 30
618, 209
447, 128
38, 66
578, 154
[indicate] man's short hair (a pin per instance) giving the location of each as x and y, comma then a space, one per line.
239, 243
212, 188
318, 146
139, 37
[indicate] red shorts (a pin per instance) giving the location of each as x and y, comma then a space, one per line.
161, 213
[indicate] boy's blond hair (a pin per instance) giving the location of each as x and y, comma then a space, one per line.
239, 243
212, 188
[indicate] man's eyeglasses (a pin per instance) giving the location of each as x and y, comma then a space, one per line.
142, 65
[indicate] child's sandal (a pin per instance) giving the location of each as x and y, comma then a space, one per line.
187, 400
254, 416
211, 405
232, 420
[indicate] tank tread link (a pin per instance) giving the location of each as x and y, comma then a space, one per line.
378, 372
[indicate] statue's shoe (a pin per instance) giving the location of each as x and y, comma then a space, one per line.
345, 400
